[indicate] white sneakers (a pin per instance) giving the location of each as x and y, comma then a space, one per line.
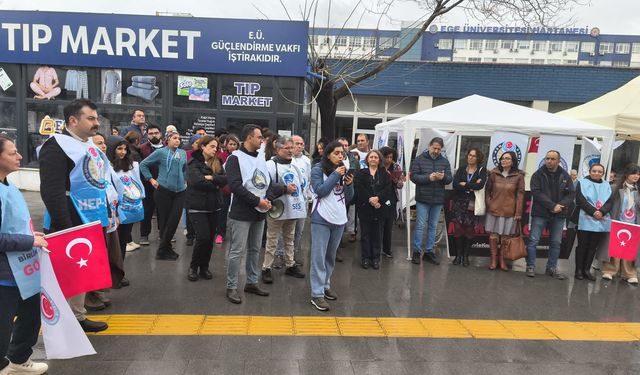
132, 246
632, 280
27, 368
606, 276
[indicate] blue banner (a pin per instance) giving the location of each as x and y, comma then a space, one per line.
181, 44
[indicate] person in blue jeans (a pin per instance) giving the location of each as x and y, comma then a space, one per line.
332, 188
431, 172
553, 192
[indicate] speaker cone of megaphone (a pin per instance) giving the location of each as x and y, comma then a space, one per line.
277, 209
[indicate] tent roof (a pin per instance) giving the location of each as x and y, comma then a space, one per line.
618, 109
477, 114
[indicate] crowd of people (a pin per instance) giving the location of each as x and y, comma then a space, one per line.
257, 189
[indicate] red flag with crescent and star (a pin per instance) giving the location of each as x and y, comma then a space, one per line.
80, 259
624, 240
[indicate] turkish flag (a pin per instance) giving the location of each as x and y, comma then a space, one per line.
624, 240
80, 259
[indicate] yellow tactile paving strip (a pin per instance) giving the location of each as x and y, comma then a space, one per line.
235, 325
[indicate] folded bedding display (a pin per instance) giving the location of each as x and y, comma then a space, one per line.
143, 87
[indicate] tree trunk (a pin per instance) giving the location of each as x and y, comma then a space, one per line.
327, 104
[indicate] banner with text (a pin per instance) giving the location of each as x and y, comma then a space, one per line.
502, 142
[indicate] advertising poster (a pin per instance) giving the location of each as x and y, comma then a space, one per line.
186, 83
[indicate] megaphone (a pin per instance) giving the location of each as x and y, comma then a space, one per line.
277, 209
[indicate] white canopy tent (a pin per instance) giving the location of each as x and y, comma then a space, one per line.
476, 115
618, 109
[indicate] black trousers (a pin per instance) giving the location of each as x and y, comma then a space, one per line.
204, 225
370, 236
588, 243
169, 205
17, 337
149, 205
124, 237
387, 229
222, 216
190, 231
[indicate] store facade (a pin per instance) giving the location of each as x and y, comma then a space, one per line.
189, 72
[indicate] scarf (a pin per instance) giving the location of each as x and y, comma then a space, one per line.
628, 191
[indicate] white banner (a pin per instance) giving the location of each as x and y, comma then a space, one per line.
502, 142
450, 143
400, 148
562, 143
62, 335
589, 155
381, 138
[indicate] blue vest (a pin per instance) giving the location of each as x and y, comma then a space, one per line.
130, 195
596, 194
88, 183
25, 265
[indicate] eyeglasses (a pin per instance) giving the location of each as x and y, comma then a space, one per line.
506, 159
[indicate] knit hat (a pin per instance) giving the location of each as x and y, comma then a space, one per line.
194, 138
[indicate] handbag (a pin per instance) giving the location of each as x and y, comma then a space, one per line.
513, 247
480, 206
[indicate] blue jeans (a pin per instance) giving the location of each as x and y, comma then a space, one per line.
244, 235
426, 213
555, 225
325, 239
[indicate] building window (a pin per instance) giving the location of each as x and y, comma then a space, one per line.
606, 47
460, 44
635, 48
572, 47
537, 61
369, 42
474, 59
621, 63
459, 59
491, 45
554, 61
555, 46
445, 43
588, 47
505, 60
341, 41
325, 40
605, 63
490, 60
356, 41
570, 62
539, 45
623, 48
475, 44
386, 42
523, 44
506, 44
522, 61
444, 58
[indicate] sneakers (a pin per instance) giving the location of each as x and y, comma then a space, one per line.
132, 246
294, 271
320, 303
632, 280
255, 289
219, 239
415, 258
233, 296
388, 255
29, 367
606, 276
530, 272
267, 278
330, 295
144, 240
555, 274
430, 257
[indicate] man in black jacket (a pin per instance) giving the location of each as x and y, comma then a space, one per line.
56, 166
251, 187
553, 192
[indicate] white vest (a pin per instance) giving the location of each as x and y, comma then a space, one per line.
255, 175
294, 204
304, 166
332, 207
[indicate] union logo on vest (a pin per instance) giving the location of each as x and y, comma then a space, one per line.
93, 168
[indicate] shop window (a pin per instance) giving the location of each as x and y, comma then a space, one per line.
188, 122
368, 123
36, 112
193, 90
344, 127
371, 104
142, 88
9, 76
248, 93
46, 82
288, 101
406, 105
286, 126
235, 124
120, 117
8, 119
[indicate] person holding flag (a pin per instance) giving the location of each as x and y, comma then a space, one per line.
73, 181
624, 207
19, 273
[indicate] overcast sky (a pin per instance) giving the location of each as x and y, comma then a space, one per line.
611, 16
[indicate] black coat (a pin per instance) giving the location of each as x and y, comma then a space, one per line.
368, 186
542, 194
203, 194
427, 191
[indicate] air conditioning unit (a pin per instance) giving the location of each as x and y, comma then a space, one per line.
592, 54
515, 50
601, 53
564, 53
436, 45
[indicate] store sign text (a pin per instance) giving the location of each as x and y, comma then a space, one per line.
245, 96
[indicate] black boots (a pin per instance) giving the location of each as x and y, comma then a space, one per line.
459, 243
466, 251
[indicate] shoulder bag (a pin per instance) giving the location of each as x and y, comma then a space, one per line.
513, 247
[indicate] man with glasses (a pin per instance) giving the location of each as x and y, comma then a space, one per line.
553, 192
154, 143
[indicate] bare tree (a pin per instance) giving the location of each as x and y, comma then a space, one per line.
334, 77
